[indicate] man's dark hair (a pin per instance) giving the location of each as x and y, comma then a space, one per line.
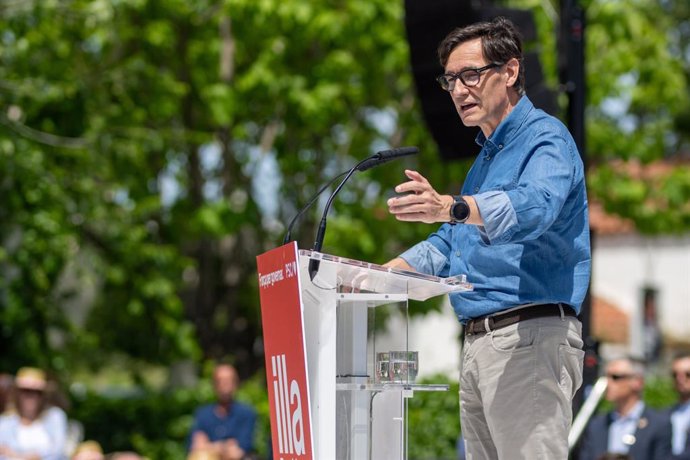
501, 42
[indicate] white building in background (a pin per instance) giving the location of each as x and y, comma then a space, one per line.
626, 265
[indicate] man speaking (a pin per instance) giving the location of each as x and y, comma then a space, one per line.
519, 230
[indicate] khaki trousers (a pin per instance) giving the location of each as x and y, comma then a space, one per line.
516, 389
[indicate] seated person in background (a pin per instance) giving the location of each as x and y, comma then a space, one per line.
203, 455
631, 428
33, 430
680, 413
88, 450
226, 426
125, 456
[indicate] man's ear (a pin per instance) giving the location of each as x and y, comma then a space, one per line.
513, 70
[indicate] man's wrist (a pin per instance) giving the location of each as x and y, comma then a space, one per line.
448, 201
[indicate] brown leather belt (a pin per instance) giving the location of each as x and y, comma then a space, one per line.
499, 320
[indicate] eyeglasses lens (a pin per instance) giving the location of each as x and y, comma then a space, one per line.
470, 77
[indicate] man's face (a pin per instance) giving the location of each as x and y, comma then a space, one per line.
681, 377
623, 384
487, 103
225, 383
30, 402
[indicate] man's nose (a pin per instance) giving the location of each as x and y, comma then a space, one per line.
459, 89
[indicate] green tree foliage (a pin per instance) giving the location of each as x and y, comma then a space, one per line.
638, 97
638, 105
151, 149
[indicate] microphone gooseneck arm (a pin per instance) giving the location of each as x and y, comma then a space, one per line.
321, 232
375, 160
308, 205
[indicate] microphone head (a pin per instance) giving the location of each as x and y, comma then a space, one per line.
385, 156
399, 152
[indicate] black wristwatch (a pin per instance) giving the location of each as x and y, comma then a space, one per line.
459, 210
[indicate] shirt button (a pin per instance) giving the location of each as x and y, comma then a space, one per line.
476, 190
457, 253
500, 146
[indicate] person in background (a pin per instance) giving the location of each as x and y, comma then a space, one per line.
653, 341
226, 426
33, 430
519, 230
88, 450
680, 413
203, 455
125, 456
631, 428
609, 456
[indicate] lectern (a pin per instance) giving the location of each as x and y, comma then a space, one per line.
331, 394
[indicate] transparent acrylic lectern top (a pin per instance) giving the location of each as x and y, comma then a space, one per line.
371, 411
366, 276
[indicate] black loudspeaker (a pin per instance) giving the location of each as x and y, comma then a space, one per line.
427, 22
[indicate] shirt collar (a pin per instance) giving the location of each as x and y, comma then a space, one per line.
684, 407
507, 128
634, 414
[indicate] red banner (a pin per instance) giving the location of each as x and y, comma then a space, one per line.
286, 360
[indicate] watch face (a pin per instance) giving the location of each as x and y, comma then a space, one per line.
461, 210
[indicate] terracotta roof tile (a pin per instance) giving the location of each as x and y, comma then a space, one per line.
609, 323
603, 223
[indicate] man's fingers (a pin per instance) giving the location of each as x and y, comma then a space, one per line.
415, 210
413, 217
415, 176
411, 186
406, 200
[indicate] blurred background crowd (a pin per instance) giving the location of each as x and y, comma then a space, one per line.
34, 423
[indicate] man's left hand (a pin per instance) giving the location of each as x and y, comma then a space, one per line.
421, 203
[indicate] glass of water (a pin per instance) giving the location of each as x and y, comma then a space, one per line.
383, 367
403, 366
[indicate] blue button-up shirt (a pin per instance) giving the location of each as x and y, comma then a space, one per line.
528, 182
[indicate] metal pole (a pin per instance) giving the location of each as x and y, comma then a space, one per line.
572, 71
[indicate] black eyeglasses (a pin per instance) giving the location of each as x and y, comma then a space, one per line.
675, 374
616, 377
468, 77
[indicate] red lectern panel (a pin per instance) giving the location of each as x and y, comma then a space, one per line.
284, 348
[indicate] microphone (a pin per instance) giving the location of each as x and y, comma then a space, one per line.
374, 160
378, 158
385, 156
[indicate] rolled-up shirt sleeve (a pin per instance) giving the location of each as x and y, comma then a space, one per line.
432, 255
425, 258
498, 215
